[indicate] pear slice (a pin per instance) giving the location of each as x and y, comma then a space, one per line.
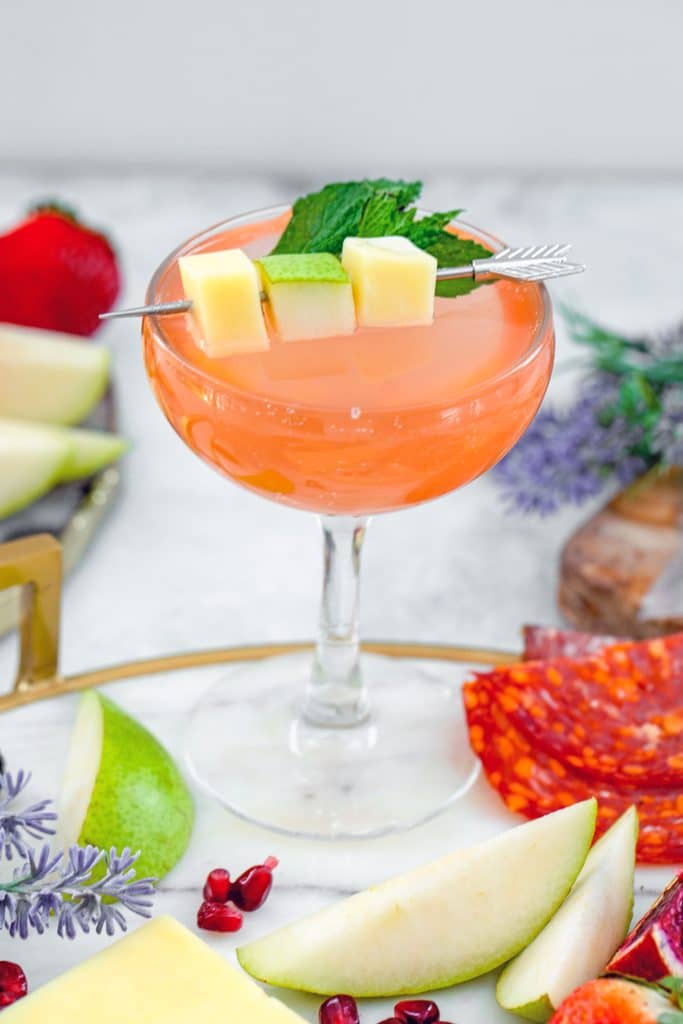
443, 923
577, 943
31, 463
122, 788
51, 377
91, 451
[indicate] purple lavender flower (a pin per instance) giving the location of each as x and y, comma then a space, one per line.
566, 457
34, 821
48, 886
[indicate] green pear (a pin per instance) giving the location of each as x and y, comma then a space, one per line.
91, 451
31, 463
577, 943
50, 377
443, 923
122, 788
309, 295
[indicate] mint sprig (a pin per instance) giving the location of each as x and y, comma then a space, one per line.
372, 208
322, 220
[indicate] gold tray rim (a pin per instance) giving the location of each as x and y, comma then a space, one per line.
242, 653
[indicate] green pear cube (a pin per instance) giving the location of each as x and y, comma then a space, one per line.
308, 295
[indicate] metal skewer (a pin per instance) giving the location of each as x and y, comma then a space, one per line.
526, 263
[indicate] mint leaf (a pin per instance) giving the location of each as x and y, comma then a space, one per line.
405, 192
427, 231
452, 251
670, 1017
383, 216
322, 220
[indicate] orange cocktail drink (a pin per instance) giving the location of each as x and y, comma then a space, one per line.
358, 424
344, 426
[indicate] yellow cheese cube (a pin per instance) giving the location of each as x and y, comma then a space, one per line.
225, 290
160, 974
393, 281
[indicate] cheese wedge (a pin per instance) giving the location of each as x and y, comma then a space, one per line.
393, 281
160, 974
226, 304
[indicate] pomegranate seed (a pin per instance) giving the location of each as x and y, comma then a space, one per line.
13, 984
219, 917
417, 1011
251, 889
390, 1020
339, 1010
217, 886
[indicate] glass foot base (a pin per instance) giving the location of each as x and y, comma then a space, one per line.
410, 760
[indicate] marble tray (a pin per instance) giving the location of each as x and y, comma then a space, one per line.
312, 874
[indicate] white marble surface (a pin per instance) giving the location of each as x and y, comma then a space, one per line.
187, 560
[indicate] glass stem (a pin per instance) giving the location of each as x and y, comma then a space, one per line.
336, 694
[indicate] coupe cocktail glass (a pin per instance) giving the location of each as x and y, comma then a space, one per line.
344, 745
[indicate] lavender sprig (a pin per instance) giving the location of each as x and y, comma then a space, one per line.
15, 826
49, 886
628, 420
566, 457
61, 886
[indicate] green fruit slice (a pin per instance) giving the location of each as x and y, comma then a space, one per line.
51, 377
577, 943
303, 268
31, 463
91, 451
122, 788
309, 295
443, 923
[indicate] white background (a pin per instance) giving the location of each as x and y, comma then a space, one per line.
336, 86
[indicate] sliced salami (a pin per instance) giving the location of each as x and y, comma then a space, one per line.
541, 643
532, 782
616, 716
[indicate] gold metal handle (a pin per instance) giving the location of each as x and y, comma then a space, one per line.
35, 565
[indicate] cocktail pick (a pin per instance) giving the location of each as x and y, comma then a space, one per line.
527, 263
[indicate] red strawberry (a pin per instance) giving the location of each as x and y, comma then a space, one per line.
611, 1001
56, 273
